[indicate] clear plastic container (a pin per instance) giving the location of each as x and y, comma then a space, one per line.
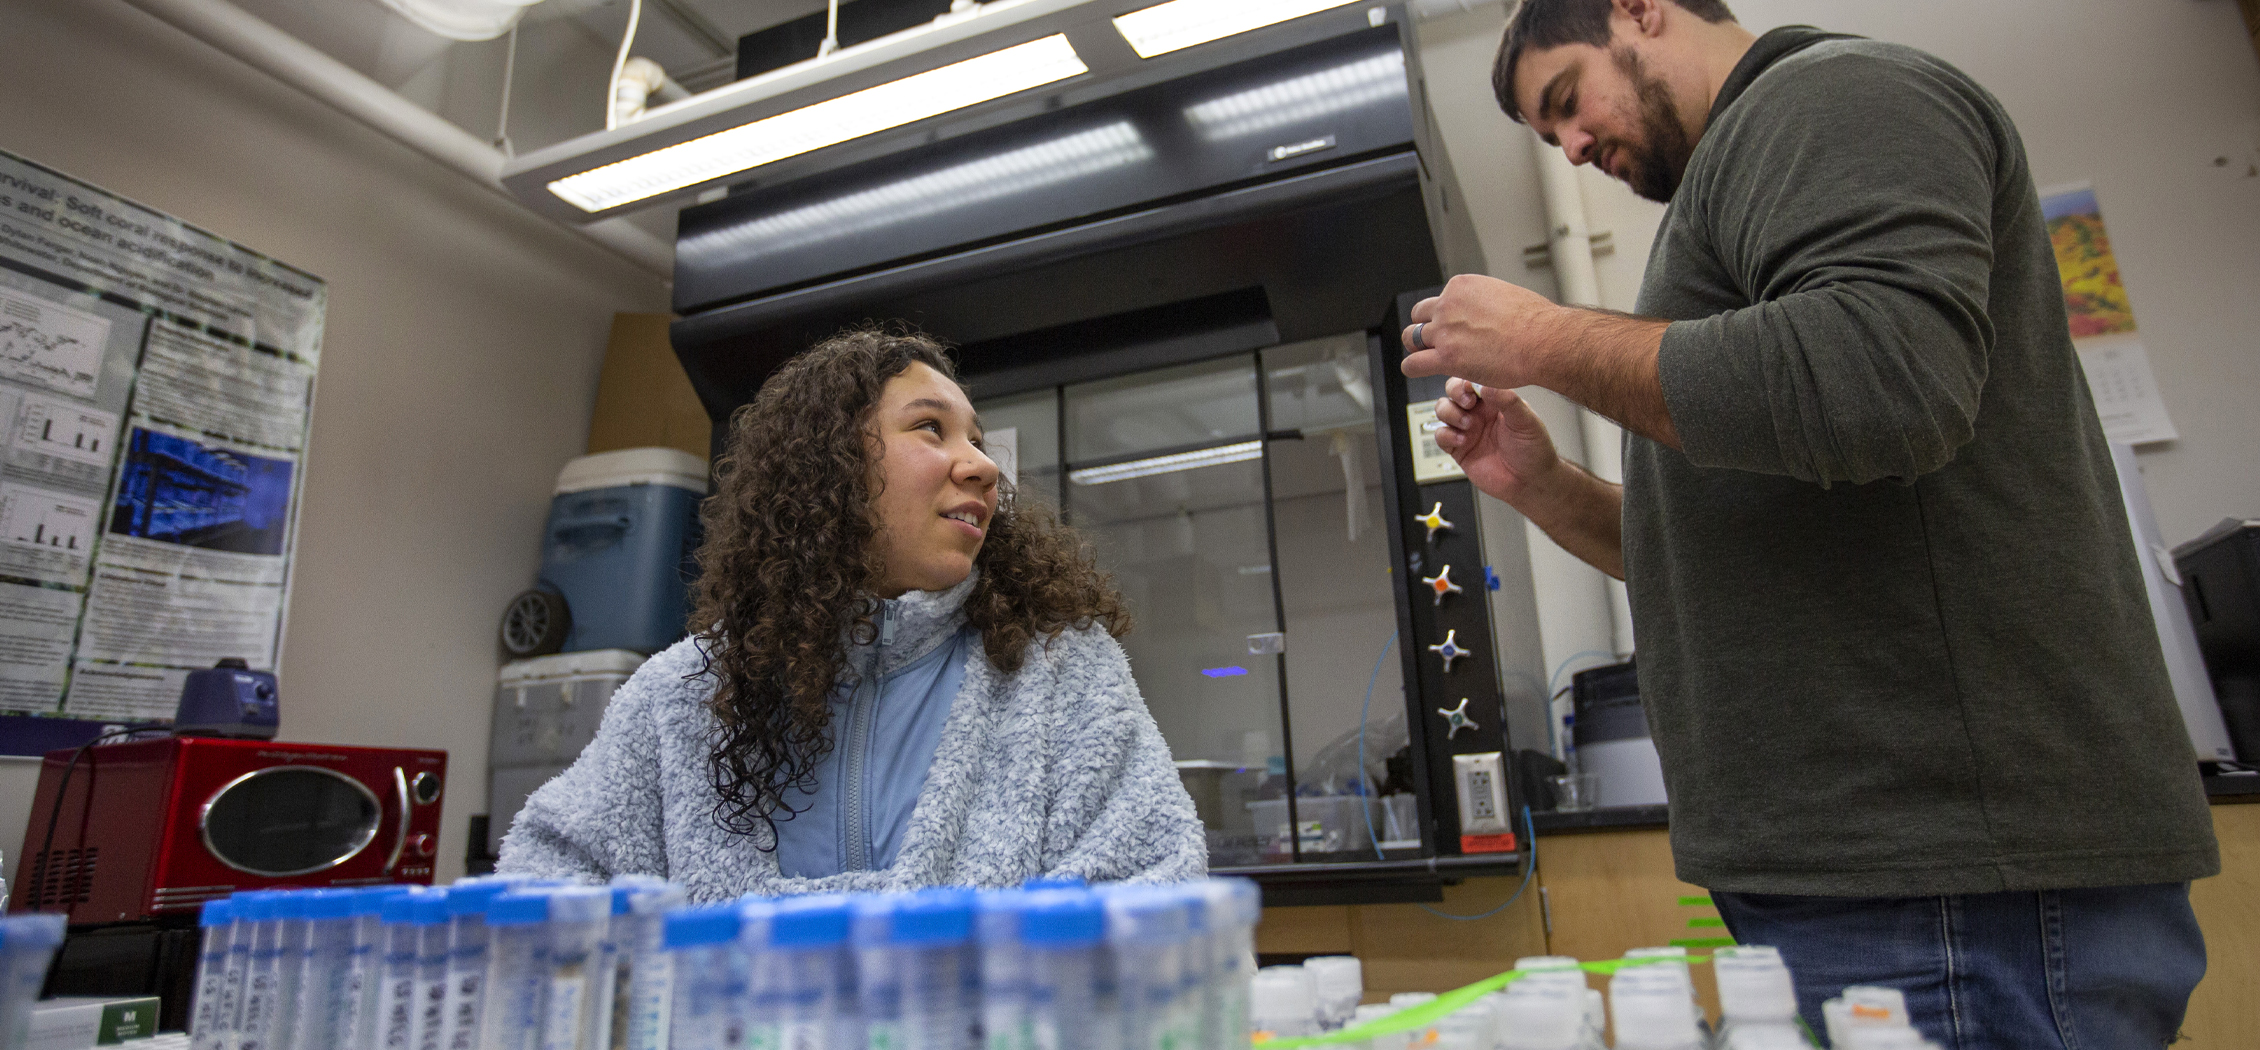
1071, 1003
1755, 990
1542, 1015
573, 967
323, 1016
1467, 1028
648, 980
27, 947
1649, 1006
1339, 981
211, 1019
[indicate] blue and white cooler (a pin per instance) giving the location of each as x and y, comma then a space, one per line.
616, 558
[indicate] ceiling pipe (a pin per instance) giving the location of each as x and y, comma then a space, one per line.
292, 61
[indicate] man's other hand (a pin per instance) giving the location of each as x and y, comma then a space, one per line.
1496, 438
1483, 329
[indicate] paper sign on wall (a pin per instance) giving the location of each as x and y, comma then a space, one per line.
2102, 320
155, 385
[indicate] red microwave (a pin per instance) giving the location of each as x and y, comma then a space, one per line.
158, 827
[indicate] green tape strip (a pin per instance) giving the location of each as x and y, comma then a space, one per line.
1436, 1009
1703, 942
1694, 902
1700, 922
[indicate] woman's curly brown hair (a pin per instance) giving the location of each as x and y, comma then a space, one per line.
788, 568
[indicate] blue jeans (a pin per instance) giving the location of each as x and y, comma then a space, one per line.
2096, 969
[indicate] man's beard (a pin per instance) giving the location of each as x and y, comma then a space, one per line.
1658, 160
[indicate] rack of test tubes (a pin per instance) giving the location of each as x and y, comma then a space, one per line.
507, 963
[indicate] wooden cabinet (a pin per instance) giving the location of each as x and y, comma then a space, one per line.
1598, 894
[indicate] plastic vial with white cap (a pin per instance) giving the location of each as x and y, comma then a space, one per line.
1069, 1001
1340, 982
27, 947
517, 947
323, 1014
1542, 1015
1418, 1037
1862, 1004
211, 1020
1755, 989
649, 995
1004, 970
1649, 1005
1365, 1015
1280, 1003
270, 992
807, 938
1467, 1028
709, 984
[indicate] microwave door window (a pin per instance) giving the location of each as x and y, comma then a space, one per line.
290, 820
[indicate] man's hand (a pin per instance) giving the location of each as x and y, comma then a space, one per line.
1496, 438
1483, 329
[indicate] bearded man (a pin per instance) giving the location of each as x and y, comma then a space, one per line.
1894, 643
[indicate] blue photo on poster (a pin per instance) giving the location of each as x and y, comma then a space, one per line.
178, 490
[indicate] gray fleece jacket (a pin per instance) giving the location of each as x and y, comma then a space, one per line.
1055, 769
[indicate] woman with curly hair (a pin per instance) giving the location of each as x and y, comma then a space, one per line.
894, 679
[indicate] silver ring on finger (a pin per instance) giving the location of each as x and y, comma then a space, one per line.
1418, 342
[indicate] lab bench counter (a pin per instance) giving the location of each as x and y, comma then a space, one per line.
1604, 884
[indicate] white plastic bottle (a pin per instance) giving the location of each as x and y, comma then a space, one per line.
1364, 1015
1863, 1005
1542, 1015
1280, 1006
211, 1019
1755, 991
1467, 1028
1070, 1004
1339, 981
1649, 1006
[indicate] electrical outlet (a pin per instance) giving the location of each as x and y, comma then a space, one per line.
1482, 783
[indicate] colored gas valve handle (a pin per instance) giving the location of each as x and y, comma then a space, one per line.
1458, 718
1442, 583
1434, 519
1450, 650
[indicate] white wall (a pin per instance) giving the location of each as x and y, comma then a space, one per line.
2138, 96
458, 369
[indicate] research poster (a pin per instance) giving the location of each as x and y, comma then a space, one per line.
155, 386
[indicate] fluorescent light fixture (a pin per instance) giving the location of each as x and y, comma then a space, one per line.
1138, 468
1179, 24
827, 123
1224, 672
1303, 98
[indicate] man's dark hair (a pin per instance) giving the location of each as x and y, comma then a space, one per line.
1544, 24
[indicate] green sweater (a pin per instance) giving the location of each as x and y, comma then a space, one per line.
1893, 638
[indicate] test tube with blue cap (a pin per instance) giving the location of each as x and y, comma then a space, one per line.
807, 938
364, 964
932, 933
211, 1018
1003, 970
573, 963
1070, 992
709, 977
649, 995
878, 971
323, 1017
270, 990
1147, 933
412, 975
516, 946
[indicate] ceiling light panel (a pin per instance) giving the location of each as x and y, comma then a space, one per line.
1179, 24
1237, 452
890, 105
